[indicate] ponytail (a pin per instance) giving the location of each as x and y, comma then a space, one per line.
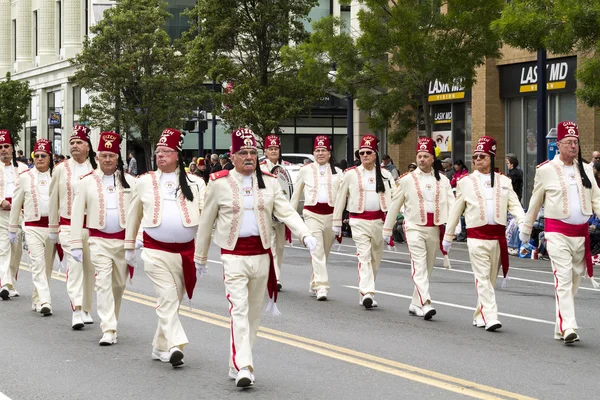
493, 168
379, 187
122, 178
183, 180
259, 177
585, 180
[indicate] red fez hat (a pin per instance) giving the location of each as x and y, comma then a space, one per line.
5, 137
369, 142
426, 145
242, 138
322, 142
200, 161
109, 141
486, 144
43, 145
567, 129
272, 141
81, 132
171, 138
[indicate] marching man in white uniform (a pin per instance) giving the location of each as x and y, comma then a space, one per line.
485, 197
368, 189
242, 202
319, 181
32, 194
104, 196
566, 187
63, 187
280, 232
427, 197
166, 204
10, 253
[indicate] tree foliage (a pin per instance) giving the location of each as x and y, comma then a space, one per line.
241, 43
403, 46
560, 26
134, 73
15, 97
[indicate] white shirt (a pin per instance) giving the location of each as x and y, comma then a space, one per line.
575, 216
427, 182
79, 170
249, 225
322, 197
171, 228
370, 188
42, 182
112, 205
485, 180
9, 181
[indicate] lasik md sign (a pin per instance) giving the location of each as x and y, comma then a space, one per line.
521, 79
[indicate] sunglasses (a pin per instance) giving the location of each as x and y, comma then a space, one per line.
40, 155
479, 156
365, 153
5, 146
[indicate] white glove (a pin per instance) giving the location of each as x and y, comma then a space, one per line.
53, 237
12, 236
524, 237
337, 230
201, 270
386, 239
311, 243
446, 245
77, 254
139, 244
130, 256
458, 229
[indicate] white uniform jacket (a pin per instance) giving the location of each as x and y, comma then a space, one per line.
146, 205
224, 203
307, 181
409, 194
471, 201
26, 197
550, 190
62, 193
351, 188
90, 204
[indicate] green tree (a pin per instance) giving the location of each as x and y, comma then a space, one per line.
134, 73
15, 97
403, 46
560, 26
240, 43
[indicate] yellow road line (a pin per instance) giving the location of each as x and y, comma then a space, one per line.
416, 374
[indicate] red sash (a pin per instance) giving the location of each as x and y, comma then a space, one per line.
98, 233
320, 208
369, 215
252, 246
186, 251
67, 221
570, 230
430, 218
42, 223
493, 232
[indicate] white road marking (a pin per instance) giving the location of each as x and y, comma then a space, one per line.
4, 397
542, 321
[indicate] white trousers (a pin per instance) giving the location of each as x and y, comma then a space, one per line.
423, 243
165, 270
10, 254
111, 277
277, 245
368, 237
485, 261
80, 275
41, 253
320, 227
567, 256
245, 284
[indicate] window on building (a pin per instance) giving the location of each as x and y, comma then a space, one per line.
86, 16
35, 32
59, 26
346, 18
179, 23
14, 41
322, 10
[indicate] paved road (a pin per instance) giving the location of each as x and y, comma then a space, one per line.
317, 350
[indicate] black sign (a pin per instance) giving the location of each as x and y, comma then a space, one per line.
518, 80
439, 92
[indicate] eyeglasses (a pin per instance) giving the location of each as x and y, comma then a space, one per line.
40, 155
570, 142
479, 156
5, 146
165, 152
245, 153
365, 153
596, 158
